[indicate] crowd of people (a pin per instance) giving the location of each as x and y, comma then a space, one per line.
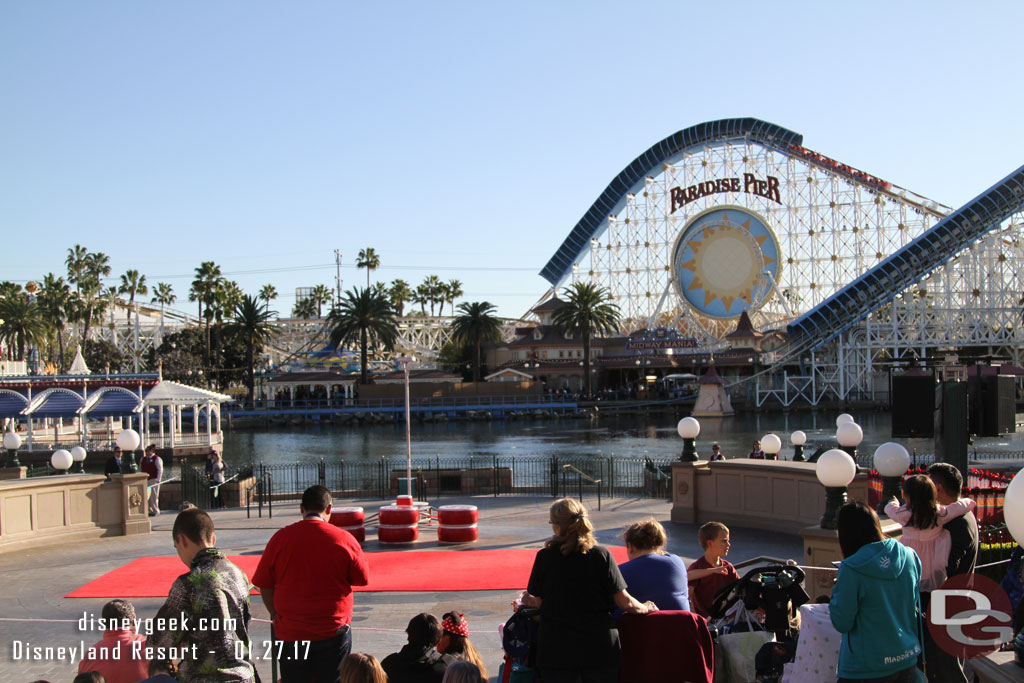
576, 589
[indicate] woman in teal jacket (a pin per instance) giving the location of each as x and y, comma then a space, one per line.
875, 601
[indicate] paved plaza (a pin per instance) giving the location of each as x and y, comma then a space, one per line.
34, 612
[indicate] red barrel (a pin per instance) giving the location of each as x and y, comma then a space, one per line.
358, 531
405, 500
462, 533
457, 515
404, 533
347, 517
457, 524
399, 515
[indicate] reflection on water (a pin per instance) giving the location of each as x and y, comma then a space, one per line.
632, 436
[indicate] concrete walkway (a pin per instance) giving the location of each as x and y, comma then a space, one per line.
33, 611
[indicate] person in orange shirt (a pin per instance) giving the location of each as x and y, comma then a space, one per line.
112, 656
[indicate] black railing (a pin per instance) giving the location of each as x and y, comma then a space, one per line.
472, 475
263, 491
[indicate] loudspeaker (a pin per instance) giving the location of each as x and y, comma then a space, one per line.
951, 424
913, 406
992, 405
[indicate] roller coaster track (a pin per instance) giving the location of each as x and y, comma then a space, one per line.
884, 282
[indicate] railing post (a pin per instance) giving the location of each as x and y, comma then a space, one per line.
322, 472
554, 476
494, 475
270, 495
342, 475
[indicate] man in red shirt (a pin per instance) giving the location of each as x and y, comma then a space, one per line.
113, 656
305, 577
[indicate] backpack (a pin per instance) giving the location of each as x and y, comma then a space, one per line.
519, 634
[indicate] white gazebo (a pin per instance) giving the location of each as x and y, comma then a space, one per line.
167, 399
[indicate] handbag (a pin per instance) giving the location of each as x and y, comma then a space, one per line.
742, 637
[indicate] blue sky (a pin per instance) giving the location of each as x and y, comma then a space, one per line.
458, 139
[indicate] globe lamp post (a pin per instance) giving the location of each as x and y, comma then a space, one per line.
849, 435
61, 460
835, 470
799, 439
1013, 514
78, 455
891, 461
12, 442
771, 445
843, 418
128, 440
689, 428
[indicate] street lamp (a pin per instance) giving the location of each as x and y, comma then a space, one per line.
849, 435
78, 455
799, 439
835, 470
408, 429
688, 428
891, 461
61, 460
12, 442
771, 445
128, 440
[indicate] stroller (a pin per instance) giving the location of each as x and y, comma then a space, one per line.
752, 648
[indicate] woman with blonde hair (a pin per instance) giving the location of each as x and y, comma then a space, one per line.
576, 584
463, 671
358, 667
651, 573
455, 640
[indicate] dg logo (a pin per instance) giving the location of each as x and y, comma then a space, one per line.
970, 616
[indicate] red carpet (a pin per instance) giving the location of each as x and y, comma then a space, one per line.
395, 570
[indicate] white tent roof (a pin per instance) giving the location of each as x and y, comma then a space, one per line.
78, 366
172, 393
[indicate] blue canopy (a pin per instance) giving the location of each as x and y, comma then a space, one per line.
59, 404
11, 404
115, 404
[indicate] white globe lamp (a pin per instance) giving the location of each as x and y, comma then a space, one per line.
843, 418
61, 460
849, 435
771, 445
799, 439
688, 429
835, 470
128, 440
78, 455
12, 442
891, 461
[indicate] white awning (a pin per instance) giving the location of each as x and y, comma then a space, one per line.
172, 393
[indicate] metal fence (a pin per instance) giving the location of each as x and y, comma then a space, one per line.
495, 476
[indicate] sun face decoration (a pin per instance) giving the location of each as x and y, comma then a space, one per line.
723, 261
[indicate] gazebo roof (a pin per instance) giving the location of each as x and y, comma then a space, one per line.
172, 393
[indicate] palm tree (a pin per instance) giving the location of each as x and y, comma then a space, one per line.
320, 295
453, 290
163, 294
21, 323
253, 323
91, 304
268, 293
132, 283
76, 262
367, 317
204, 291
55, 302
9, 289
368, 259
433, 289
589, 310
399, 293
304, 308
226, 298
476, 325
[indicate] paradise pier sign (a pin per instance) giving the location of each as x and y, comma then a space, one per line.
768, 188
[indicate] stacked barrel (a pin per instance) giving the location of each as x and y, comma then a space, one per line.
352, 520
457, 524
399, 523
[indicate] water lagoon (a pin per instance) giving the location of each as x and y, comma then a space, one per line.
633, 436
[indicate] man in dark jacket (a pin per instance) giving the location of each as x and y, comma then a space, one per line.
943, 667
419, 661
115, 465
